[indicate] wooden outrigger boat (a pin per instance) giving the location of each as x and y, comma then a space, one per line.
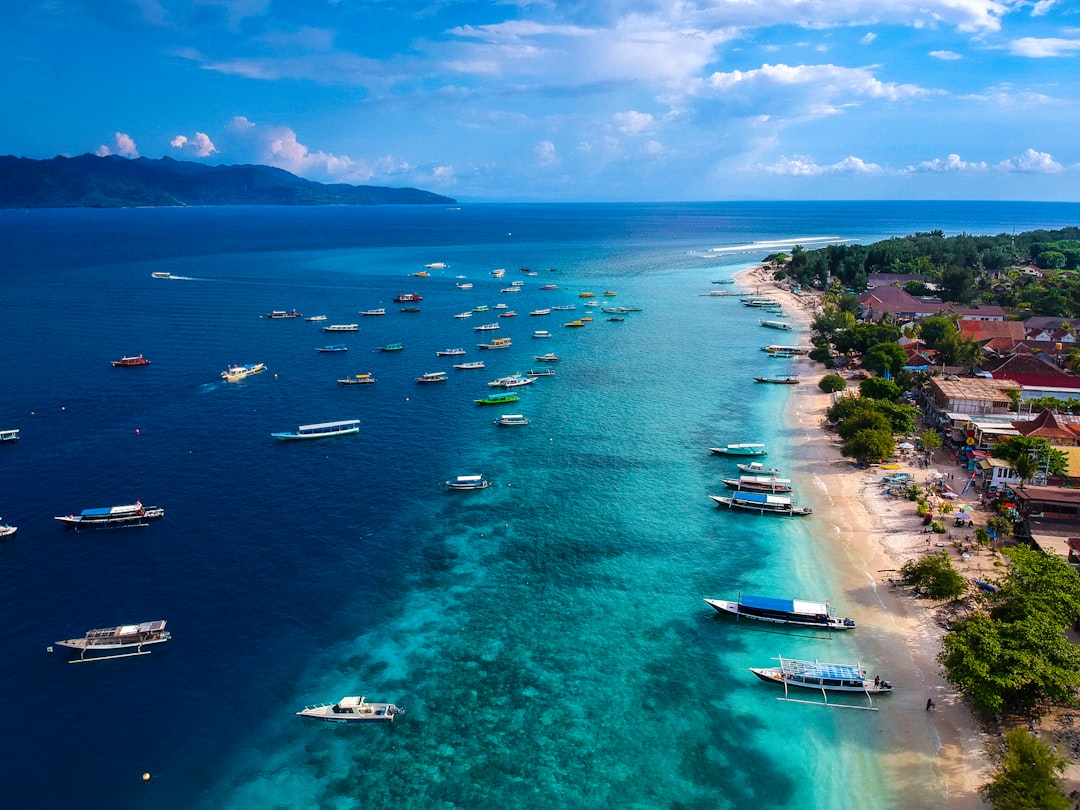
468, 482
321, 430
745, 449
112, 517
762, 503
758, 483
826, 678
113, 640
794, 612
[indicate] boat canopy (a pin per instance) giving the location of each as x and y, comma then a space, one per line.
795, 606
816, 669
327, 426
106, 511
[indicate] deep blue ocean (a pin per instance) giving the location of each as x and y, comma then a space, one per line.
546, 636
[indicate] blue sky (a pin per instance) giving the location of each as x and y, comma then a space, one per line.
551, 100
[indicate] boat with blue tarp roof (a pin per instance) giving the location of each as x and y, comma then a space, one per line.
800, 612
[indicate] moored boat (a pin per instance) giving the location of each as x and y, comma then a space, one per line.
432, 376
342, 327
7, 531
785, 379
112, 641
497, 399
316, 319
762, 503
758, 483
508, 419
135, 360
239, 372
391, 347
466, 286
777, 325
550, 357
112, 517
511, 381
9, 435
745, 449
463, 315
545, 372
757, 468
320, 430
358, 379
373, 312
564, 307
468, 482
549, 287
449, 352
822, 676
352, 710
508, 314
409, 309
497, 343
284, 313
407, 298
467, 366
541, 333
334, 347
540, 312
798, 612
486, 327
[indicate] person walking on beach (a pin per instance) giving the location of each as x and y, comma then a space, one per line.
929, 704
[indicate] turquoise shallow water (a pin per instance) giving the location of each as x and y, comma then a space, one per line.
547, 636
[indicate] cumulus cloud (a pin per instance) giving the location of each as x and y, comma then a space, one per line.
546, 154
1042, 7
946, 56
632, 122
123, 145
200, 146
275, 145
803, 167
951, 164
1031, 162
1043, 47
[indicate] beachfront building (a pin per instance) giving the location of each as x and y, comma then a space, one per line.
1050, 518
969, 396
996, 475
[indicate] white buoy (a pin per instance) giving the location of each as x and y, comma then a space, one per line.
146, 776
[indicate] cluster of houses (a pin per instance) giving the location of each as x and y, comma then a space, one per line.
975, 408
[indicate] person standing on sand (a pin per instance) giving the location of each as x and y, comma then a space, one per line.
929, 704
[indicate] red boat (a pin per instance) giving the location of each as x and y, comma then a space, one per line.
137, 360
405, 298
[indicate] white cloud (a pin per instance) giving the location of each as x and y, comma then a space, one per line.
952, 164
275, 145
632, 122
122, 145
869, 37
1042, 7
1031, 162
1041, 48
200, 146
545, 153
802, 167
946, 56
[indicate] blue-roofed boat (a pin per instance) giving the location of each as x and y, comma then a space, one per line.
320, 430
112, 517
823, 677
762, 503
799, 612
337, 347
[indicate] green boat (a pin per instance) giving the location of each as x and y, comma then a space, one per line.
391, 347
497, 399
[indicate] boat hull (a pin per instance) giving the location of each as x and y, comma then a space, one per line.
735, 609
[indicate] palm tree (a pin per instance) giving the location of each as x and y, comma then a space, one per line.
1025, 467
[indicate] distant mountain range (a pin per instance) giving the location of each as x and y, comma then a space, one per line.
90, 181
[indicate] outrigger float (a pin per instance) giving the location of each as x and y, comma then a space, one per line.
109, 639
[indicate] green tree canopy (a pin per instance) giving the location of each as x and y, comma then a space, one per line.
869, 446
882, 356
831, 383
930, 440
934, 574
879, 388
867, 419
1027, 775
1037, 584
1012, 448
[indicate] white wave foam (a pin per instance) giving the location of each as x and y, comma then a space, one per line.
779, 243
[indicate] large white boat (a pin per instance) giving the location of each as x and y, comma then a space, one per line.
540, 312
9, 435
799, 612
824, 678
237, 373
468, 366
449, 352
550, 357
746, 449
6, 531
321, 430
278, 314
758, 483
463, 315
511, 381
762, 503
112, 641
508, 419
358, 379
541, 333
370, 312
343, 327
468, 482
487, 327
316, 319
161, 274
112, 517
432, 376
777, 325
497, 343
352, 710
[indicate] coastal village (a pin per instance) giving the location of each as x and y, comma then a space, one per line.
948, 495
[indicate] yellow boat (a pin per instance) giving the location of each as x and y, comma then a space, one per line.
574, 323
586, 295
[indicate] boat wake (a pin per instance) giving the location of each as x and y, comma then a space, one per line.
772, 244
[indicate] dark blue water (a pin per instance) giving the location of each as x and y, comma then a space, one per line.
546, 635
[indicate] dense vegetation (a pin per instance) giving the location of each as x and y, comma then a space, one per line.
965, 269
1027, 775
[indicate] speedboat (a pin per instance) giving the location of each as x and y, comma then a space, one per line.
6, 531
550, 357
352, 710
237, 373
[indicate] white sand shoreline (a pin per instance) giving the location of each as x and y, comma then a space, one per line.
901, 634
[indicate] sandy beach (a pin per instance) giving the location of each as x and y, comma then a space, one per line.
902, 634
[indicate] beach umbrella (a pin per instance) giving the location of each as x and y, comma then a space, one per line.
906, 446
963, 516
